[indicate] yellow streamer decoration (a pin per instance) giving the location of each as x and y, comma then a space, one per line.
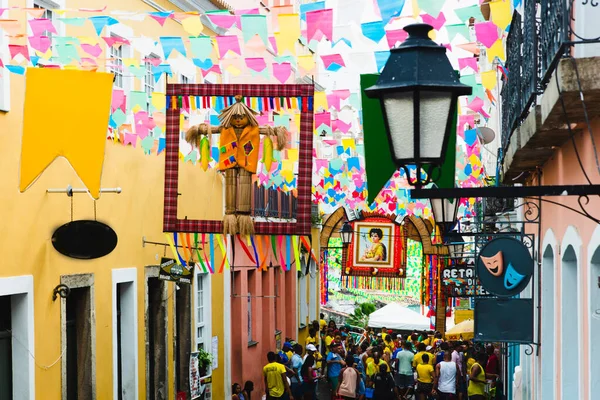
172, 246
296, 252
223, 249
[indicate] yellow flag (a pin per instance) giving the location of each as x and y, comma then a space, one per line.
307, 62
289, 32
488, 79
73, 125
500, 11
497, 49
193, 25
159, 100
321, 101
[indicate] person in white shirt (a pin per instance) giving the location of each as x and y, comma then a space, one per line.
446, 378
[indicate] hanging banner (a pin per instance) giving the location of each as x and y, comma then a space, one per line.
171, 271
460, 281
377, 248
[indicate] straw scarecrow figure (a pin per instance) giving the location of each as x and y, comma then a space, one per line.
238, 159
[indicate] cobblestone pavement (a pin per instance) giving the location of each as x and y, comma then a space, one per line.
323, 390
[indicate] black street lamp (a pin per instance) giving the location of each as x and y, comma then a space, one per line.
346, 233
445, 212
418, 90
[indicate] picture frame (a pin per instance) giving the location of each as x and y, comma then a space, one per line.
177, 94
377, 248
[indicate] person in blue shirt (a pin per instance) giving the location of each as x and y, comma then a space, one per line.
334, 366
296, 364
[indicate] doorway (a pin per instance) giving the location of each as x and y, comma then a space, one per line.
6, 367
126, 339
78, 356
570, 325
156, 339
183, 337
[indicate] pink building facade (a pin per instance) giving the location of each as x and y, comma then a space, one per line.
566, 365
268, 306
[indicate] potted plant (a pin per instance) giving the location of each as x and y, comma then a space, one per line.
204, 362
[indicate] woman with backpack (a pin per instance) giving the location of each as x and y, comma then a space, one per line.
349, 382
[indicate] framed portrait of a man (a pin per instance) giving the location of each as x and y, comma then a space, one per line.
377, 248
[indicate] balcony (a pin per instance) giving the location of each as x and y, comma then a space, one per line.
534, 122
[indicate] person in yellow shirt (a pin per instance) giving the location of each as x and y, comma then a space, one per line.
322, 322
373, 366
421, 351
276, 383
425, 377
329, 339
383, 333
311, 338
477, 379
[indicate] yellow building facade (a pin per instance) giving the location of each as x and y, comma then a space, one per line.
116, 331
108, 327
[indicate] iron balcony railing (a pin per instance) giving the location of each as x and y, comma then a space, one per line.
537, 40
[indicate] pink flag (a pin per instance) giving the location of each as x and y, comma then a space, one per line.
466, 119
333, 58
323, 118
282, 71
256, 64
94, 51
437, 23
396, 36
118, 100
40, 43
111, 40
224, 21
39, 26
341, 126
215, 68
16, 49
226, 43
320, 20
486, 33
468, 62
476, 105
129, 138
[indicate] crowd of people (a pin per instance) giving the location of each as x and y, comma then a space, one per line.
379, 366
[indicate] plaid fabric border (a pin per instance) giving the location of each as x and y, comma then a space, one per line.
244, 90
304, 178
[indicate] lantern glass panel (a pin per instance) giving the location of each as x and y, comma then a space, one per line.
434, 113
399, 111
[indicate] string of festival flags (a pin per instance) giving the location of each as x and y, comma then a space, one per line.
286, 250
242, 34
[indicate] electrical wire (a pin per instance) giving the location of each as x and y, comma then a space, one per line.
44, 367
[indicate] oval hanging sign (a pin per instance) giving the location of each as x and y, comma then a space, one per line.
504, 267
84, 239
